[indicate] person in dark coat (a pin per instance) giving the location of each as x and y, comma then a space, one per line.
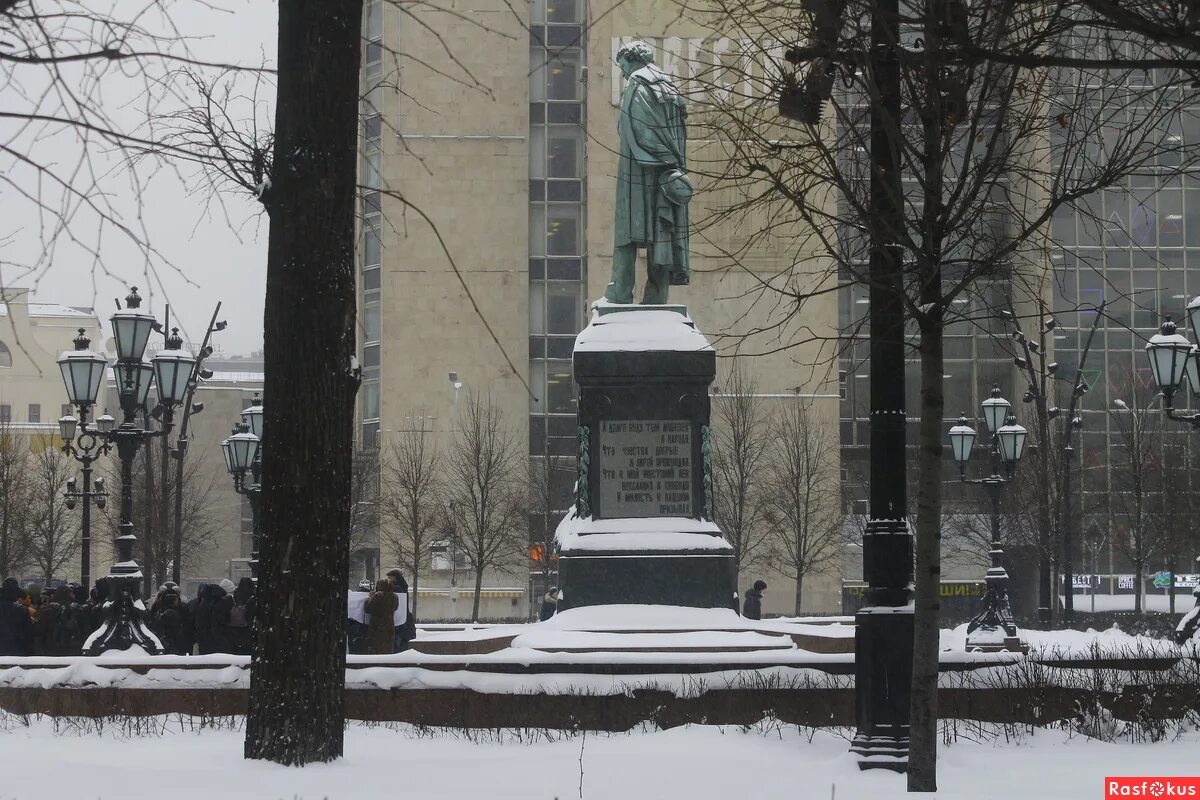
206, 632
189, 616
752, 608
55, 628
45, 628
405, 632
234, 617
549, 604
381, 607
16, 628
167, 621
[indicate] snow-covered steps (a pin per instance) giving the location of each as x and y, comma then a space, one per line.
647, 629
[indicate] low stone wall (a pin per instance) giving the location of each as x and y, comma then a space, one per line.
464, 708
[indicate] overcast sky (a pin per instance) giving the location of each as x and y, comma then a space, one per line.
218, 253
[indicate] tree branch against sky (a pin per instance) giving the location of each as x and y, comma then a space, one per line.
83, 82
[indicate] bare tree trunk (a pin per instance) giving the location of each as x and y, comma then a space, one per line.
799, 589
414, 587
1138, 586
927, 573
922, 760
296, 713
478, 589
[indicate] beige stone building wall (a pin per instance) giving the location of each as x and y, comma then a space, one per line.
32, 337
455, 145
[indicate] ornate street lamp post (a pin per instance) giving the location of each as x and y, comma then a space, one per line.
1172, 358
243, 459
83, 370
86, 449
993, 628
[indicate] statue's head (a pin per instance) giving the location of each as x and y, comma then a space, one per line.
634, 56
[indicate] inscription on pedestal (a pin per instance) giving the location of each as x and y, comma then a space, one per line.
646, 468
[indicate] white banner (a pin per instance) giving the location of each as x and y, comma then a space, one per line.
355, 602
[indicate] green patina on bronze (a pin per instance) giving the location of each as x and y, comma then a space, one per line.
653, 189
583, 506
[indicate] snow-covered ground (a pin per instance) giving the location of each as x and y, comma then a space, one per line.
690, 763
1112, 642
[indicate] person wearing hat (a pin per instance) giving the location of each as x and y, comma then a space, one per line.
549, 604
653, 191
752, 608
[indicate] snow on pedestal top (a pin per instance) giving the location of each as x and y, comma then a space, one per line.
638, 533
641, 329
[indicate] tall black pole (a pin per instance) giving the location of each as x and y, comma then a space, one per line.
884, 627
86, 448
85, 560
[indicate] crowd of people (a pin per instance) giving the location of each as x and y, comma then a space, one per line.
57, 622
37, 621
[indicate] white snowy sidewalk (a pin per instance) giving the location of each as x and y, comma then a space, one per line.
693, 763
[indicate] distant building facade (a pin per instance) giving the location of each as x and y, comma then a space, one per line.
509, 150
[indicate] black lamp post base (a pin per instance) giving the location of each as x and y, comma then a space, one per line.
881, 752
124, 622
883, 652
993, 629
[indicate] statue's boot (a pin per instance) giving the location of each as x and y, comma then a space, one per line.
620, 289
658, 286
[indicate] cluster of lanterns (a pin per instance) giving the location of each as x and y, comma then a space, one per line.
1002, 424
83, 369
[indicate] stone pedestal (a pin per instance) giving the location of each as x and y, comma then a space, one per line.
642, 530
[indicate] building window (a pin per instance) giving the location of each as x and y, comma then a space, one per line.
560, 388
65, 410
371, 323
370, 435
563, 234
563, 307
35, 412
370, 401
441, 557
5, 355
5, 412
